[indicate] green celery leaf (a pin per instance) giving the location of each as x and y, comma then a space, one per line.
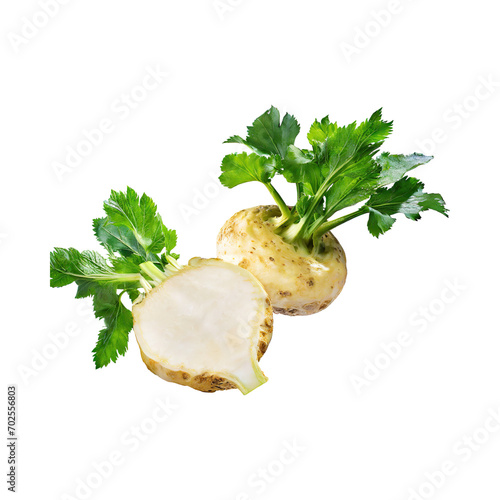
320, 131
87, 269
349, 150
390, 200
240, 168
386, 169
420, 202
379, 223
170, 239
300, 167
68, 265
345, 155
117, 238
113, 339
268, 136
132, 232
125, 265
303, 204
394, 167
405, 197
343, 193
133, 294
348, 191
139, 215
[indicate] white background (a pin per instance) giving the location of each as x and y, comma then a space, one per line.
424, 65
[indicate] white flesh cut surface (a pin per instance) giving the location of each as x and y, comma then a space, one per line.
206, 321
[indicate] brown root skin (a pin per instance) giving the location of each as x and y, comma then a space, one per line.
208, 382
298, 284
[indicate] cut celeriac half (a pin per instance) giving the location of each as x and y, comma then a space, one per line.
206, 326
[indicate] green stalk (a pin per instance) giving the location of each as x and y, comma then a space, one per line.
329, 225
299, 191
295, 233
285, 211
145, 284
292, 232
173, 262
321, 192
153, 272
107, 277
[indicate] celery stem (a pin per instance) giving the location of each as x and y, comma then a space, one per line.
153, 272
145, 284
292, 233
173, 262
285, 211
329, 225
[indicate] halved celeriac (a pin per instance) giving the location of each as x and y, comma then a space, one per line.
206, 326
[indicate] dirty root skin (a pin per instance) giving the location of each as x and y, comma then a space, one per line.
297, 283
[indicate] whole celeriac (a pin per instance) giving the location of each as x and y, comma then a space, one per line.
298, 283
291, 249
